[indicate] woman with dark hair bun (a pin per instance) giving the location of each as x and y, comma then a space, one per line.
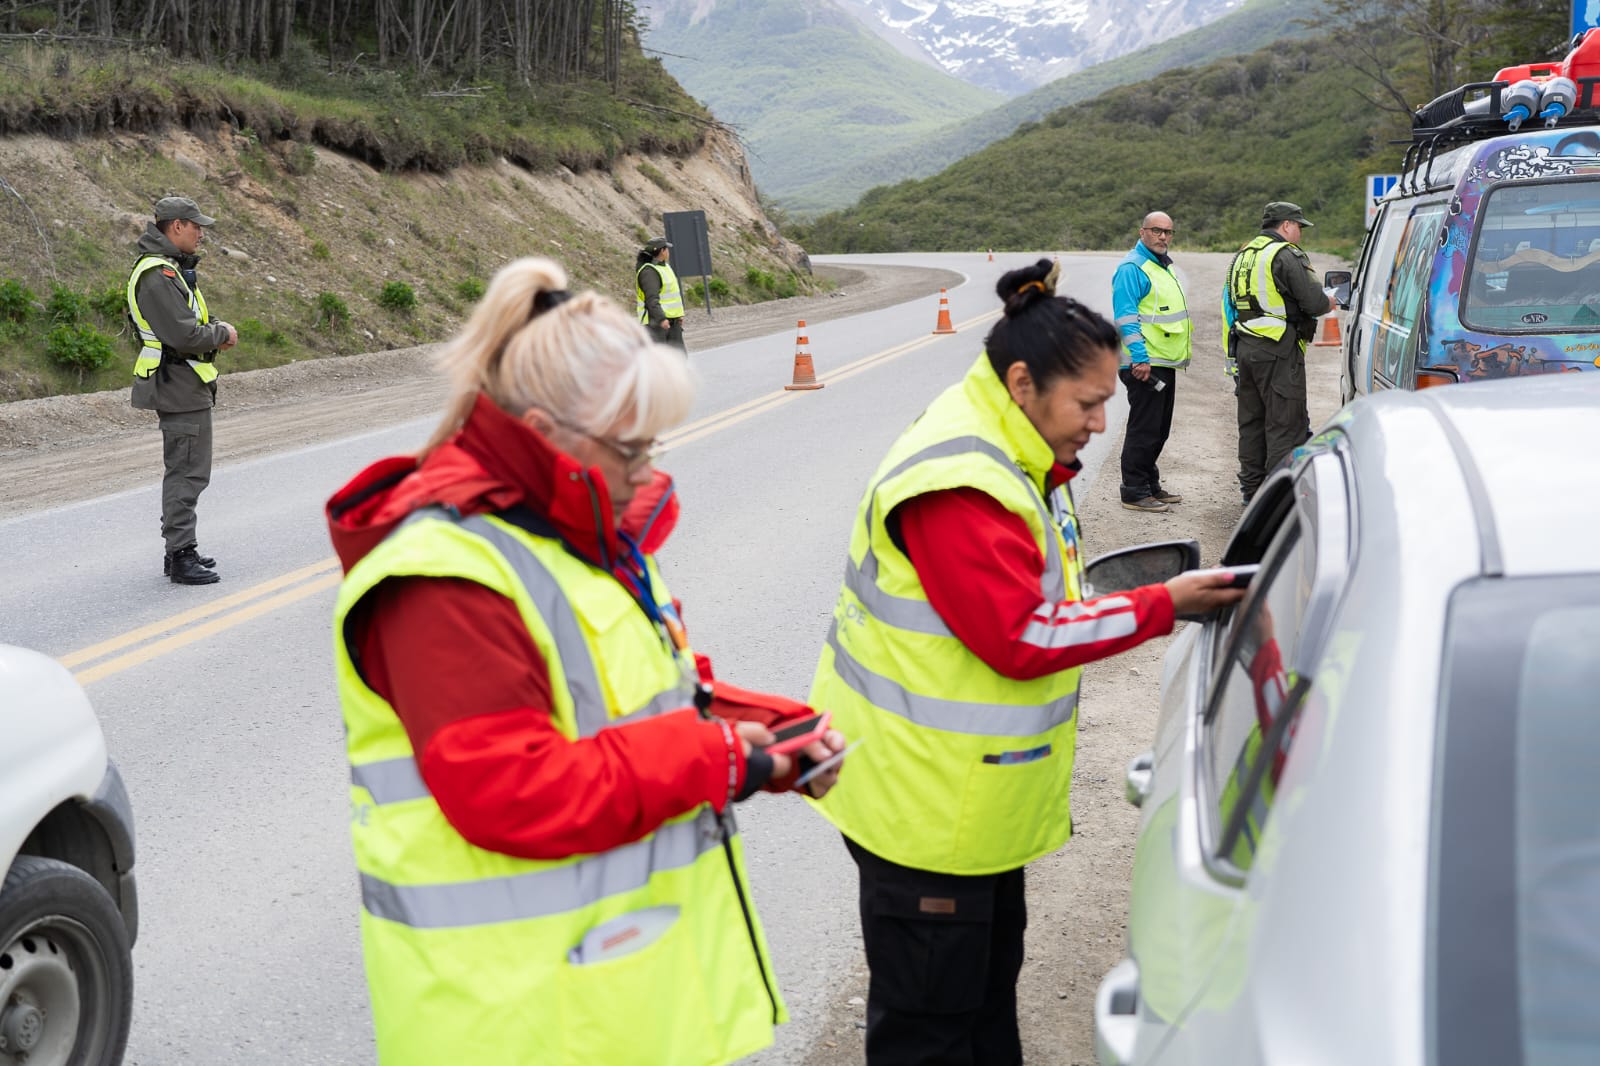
954, 655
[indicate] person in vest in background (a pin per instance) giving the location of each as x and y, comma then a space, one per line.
175, 374
543, 771
953, 657
658, 299
1148, 305
1269, 314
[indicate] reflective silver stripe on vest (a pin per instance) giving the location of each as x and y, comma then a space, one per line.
952, 716
390, 780
589, 705
1174, 316
919, 616
543, 892
1128, 320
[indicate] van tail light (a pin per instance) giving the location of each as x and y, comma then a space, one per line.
1431, 376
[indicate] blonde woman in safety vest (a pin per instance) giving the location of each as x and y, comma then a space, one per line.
954, 657
542, 771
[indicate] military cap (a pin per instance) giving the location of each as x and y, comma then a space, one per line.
169, 208
655, 244
1283, 211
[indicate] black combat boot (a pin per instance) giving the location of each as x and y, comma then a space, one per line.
185, 567
203, 560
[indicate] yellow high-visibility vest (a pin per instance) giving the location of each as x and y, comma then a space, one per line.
478, 957
149, 344
961, 770
670, 297
1259, 308
1163, 316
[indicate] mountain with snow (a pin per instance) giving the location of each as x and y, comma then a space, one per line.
1016, 45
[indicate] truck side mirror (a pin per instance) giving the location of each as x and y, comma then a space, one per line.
1339, 281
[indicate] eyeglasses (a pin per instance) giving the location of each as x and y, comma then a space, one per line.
634, 455
1158, 231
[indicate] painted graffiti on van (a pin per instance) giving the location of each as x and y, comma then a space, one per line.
1478, 362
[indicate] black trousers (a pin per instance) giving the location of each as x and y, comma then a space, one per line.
1149, 425
673, 334
945, 953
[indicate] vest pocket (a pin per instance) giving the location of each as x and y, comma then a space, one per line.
646, 1005
1014, 807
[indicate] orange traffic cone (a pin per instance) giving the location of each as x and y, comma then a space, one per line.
991, 255
805, 375
1328, 332
943, 325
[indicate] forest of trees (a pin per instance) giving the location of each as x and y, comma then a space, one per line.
532, 40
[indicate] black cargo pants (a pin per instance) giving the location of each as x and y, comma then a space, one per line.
945, 953
1273, 420
1149, 426
673, 334
186, 451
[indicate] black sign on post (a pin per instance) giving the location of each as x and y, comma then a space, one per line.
691, 247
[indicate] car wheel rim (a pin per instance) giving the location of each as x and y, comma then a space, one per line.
51, 973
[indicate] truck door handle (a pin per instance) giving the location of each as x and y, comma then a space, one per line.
1137, 786
1116, 1014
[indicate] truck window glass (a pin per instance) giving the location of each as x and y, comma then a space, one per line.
1536, 265
1407, 287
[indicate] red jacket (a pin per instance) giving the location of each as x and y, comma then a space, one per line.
980, 567
456, 662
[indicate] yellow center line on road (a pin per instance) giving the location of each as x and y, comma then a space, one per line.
155, 629
188, 636
180, 630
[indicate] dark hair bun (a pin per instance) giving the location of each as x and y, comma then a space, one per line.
1020, 289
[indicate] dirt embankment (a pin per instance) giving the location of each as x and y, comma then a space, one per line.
307, 239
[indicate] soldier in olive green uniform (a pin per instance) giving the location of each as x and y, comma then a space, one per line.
174, 375
1270, 312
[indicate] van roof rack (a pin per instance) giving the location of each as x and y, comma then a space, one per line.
1449, 112
1445, 123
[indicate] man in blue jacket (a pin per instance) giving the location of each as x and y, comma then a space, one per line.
1148, 305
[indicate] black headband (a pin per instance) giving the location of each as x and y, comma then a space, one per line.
544, 301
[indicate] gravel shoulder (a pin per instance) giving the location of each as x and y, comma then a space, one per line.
65, 448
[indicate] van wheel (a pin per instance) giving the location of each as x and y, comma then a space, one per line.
66, 975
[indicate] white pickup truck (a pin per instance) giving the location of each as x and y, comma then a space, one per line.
69, 911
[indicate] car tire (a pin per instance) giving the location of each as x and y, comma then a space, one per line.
66, 972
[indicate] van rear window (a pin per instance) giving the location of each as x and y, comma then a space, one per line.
1536, 268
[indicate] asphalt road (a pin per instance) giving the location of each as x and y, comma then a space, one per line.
218, 702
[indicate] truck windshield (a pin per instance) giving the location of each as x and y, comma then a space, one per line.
1515, 929
1537, 264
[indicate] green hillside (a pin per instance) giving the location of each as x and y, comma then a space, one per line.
1256, 25
809, 89
1210, 146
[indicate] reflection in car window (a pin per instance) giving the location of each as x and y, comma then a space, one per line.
1251, 696
1407, 290
1537, 262
1516, 879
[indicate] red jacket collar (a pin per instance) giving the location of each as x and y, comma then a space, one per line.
493, 463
